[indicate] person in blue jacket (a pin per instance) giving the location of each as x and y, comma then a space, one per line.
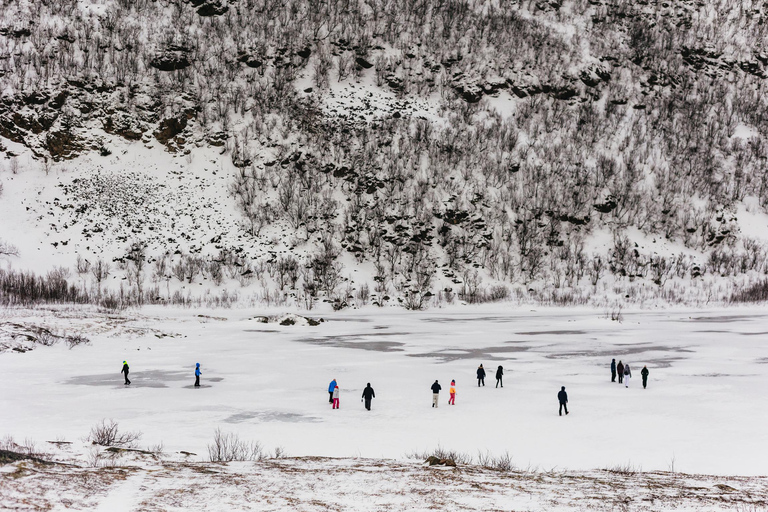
331, 387
198, 373
613, 370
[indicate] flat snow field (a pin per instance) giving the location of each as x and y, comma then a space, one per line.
704, 410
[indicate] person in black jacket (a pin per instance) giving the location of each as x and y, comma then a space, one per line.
367, 395
125, 371
562, 397
436, 394
499, 375
644, 374
480, 376
620, 369
613, 370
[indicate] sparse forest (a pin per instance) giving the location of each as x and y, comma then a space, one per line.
621, 117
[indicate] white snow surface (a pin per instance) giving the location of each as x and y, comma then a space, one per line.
702, 412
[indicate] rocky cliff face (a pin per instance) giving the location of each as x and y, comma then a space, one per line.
447, 144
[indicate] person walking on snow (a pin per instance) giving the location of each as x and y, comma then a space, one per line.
644, 374
335, 398
562, 397
331, 387
620, 369
480, 376
198, 373
125, 371
613, 370
452, 400
367, 395
436, 394
627, 375
499, 375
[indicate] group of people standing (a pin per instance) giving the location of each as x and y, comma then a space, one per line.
622, 370
625, 373
481, 376
126, 370
334, 393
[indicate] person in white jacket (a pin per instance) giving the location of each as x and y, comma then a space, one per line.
627, 375
335, 398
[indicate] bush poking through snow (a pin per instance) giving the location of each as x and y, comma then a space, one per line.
107, 433
229, 447
442, 454
77, 339
501, 463
624, 469
46, 338
757, 292
6, 248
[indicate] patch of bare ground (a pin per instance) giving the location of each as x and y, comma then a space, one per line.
322, 484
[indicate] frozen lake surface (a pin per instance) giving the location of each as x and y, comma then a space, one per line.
704, 407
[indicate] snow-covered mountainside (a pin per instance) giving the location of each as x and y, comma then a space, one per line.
383, 151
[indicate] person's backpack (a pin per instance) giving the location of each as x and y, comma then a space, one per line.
626, 370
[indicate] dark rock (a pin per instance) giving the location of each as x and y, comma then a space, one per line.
35, 98
217, 139
62, 145
66, 36
434, 461
58, 101
394, 81
363, 63
608, 206
564, 92
305, 53
470, 91
590, 79
169, 128
170, 60
215, 8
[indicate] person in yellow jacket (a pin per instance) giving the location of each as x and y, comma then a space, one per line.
452, 400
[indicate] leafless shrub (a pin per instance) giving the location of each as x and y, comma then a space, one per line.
502, 462
229, 447
75, 340
624, 469
8, 249
46, 338
100, 271
107, 433
441, 453
755, 292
